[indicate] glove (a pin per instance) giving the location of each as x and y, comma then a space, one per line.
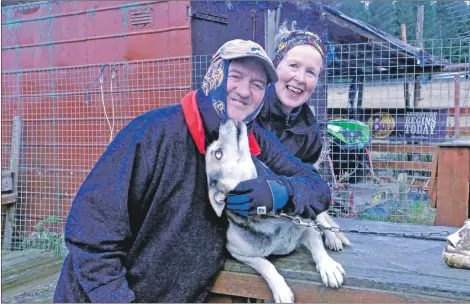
258, 196
317, 201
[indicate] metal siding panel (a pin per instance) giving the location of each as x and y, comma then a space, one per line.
162, 15
106, 23
10, 60
155, 45
68, 54
178, 16
86, 35
180, 42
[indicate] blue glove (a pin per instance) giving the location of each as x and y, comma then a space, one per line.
258, 196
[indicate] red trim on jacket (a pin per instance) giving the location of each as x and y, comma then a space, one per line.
194, 123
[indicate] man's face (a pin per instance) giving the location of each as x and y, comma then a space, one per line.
246, 85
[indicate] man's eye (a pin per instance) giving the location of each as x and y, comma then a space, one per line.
293, 65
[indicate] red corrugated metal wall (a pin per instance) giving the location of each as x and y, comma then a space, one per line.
52, 55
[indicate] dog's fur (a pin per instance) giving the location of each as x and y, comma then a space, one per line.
251, 239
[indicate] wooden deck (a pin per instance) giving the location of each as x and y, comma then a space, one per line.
29, 276
379, 269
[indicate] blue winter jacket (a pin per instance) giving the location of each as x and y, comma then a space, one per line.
141, 227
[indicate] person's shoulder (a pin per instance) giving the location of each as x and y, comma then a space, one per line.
166, 117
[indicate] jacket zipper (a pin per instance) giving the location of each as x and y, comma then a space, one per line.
287, 121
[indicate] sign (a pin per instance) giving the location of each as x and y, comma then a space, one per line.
418, 125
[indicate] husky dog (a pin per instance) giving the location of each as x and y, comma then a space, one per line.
251, 239
457, 251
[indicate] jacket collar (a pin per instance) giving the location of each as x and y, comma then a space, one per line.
203, 122
272, 117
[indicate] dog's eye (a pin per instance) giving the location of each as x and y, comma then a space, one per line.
219, 154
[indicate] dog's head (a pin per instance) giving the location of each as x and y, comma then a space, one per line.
228, 162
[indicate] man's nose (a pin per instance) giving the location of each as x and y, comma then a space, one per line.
244, 89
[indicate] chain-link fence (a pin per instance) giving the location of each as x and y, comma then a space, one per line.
403, 106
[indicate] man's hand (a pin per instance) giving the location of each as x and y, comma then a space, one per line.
258, 196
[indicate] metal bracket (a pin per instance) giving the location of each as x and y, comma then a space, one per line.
206, 16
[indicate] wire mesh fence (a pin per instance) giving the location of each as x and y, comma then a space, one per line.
397, 104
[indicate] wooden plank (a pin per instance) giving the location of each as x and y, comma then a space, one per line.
9, 225
453, 186
457, 106
254, 286
403, 165
15, 148
21, 257
9, 198
32, 274
7, 181
432, 192
373, 263
14, 165
465, 111
391, 148
463, 131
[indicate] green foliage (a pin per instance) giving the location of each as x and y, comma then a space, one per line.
444, 23
43, 238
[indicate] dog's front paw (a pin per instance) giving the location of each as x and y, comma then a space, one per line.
282, 293
331, 272
332, 242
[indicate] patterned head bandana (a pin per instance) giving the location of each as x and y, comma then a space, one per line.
298, 38
214, 84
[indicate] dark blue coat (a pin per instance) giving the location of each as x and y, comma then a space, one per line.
141, 227
298, 130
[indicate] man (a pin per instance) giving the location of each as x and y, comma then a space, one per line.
141, 227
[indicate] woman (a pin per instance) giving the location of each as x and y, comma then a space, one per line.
299, 58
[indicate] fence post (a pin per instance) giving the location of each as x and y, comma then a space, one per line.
457, 106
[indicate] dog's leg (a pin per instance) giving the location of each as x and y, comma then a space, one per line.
333, 240
339, 235
330, 271
281, 292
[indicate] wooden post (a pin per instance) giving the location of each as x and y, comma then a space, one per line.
419, 41
14, 168
419, 27
457, 106
453, 183
403, 191
406, 85
403, 32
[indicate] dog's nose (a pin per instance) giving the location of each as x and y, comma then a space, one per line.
213, 183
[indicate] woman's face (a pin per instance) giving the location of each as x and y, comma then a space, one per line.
298, 74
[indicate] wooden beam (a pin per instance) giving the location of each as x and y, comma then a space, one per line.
403, 148
453, 186
254, 286
456, 67
403, 165
403, 32
457, 106
419, 26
